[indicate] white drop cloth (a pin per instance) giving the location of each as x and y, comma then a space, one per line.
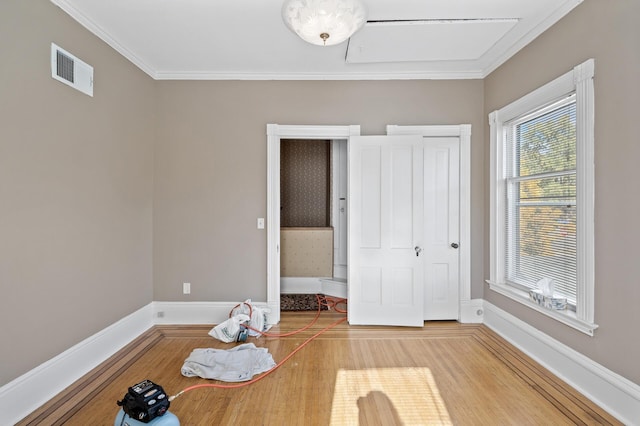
238, 364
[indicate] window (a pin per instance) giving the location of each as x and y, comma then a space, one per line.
542, 187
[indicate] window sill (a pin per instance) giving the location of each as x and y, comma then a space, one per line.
566, 317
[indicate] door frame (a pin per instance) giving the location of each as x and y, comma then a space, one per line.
466, 309
275, 132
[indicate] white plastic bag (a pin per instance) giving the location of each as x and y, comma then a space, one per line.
258, 315
229, 330
259, 321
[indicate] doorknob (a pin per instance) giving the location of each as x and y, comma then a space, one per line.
418, 250
454, 245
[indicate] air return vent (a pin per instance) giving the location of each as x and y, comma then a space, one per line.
70, 70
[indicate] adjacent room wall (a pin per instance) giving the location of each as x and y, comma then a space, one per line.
305, 183
211, 168
607, 31
75, 189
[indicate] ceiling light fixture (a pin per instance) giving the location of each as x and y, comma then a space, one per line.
324, 22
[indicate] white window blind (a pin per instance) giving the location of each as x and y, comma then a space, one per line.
540, 217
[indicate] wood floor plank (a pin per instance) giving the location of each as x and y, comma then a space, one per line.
63, 406
444, 373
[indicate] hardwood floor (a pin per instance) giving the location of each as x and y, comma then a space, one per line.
443, 374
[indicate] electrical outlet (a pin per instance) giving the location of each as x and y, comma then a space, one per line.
186, 288
261, 223
161, 314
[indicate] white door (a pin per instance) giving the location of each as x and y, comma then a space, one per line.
441, 228
386, 190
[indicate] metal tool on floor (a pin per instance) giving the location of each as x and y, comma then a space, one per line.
145, 403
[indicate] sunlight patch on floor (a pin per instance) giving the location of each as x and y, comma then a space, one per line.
407, 396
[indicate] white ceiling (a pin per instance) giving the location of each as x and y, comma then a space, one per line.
246, 39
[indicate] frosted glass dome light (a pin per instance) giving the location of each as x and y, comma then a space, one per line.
324, 22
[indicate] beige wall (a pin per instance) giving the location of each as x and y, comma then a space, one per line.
75, 189
609, 32
211, 167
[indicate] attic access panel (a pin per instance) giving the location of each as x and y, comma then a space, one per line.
426, 40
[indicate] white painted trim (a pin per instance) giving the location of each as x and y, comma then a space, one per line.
315, 132
340, 271
614, 393
496, 198
188, 313
430, 131
472, 311
550, 92
566, 317
563, 9
104, 36
274, 133
585, 109
304, 285
273, 219
463, 132
26, 393
18, 398
465, 215
334, 288
451, 74
450, 70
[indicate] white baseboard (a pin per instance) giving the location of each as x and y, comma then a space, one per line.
333, 287
33, 389
617, 395
273, 317
20, 397
471, 311
304, 285
194, 312
26, 393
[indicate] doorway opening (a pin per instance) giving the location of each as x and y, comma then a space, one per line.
335, 140
313, 203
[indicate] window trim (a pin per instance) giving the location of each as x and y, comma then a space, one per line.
580, 81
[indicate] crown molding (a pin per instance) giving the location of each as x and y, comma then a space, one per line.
564, 8
104, 36
478, 69
240, 75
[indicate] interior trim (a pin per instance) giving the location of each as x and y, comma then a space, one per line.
301, 76
34, 388
477, 69
274, 133
566, 316
105, 36
616, 394
195, 312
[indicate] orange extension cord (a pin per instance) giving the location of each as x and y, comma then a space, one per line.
322, 301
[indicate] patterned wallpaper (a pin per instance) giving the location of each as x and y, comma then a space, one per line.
305, 182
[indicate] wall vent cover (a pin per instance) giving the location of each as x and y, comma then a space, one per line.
70, 70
